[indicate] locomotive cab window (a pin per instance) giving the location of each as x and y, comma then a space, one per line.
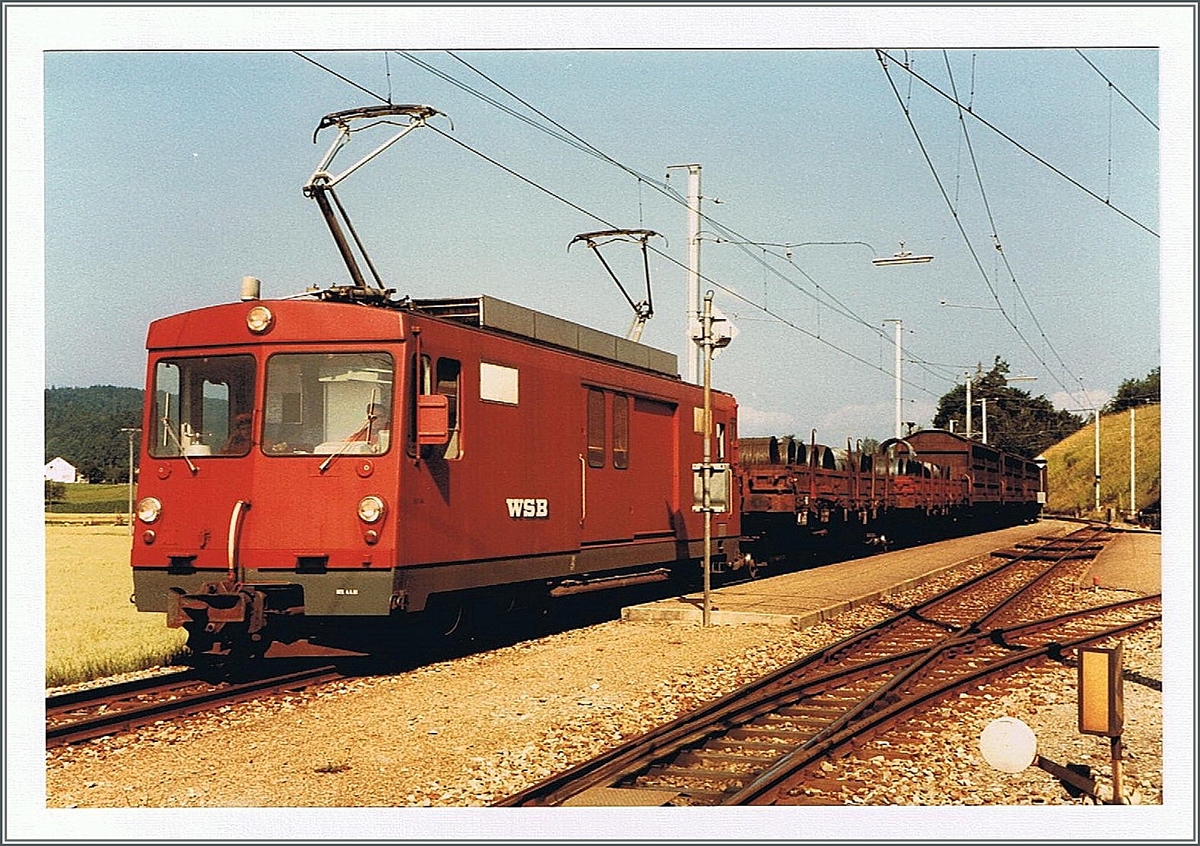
203, 406
324, 403
441, 378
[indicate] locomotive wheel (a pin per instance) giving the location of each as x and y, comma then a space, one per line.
443, 618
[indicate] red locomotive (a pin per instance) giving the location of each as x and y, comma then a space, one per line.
316, 466
313, 460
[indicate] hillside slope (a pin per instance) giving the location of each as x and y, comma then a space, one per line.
1071, 465
83, 425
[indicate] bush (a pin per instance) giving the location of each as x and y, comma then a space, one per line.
55, 492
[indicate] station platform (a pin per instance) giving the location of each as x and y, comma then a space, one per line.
1129, 562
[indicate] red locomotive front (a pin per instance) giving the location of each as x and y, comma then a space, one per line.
314, 462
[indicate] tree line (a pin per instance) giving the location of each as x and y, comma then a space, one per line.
1020, 423
1017, 422
83, 425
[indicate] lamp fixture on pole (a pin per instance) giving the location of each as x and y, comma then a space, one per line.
902, 257
947, 304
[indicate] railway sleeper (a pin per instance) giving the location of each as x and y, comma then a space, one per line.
703, 757
741, 746
810, 711
801, 720
688, 795
782, 736
690, 774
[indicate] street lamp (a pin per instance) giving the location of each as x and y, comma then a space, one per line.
131, 432
902, 257
946, 304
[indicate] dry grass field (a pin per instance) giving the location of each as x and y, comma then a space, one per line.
92, 629
1071, 464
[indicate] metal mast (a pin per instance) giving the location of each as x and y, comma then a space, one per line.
692, 350
899, 398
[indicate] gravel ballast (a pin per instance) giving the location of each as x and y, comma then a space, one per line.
467, 732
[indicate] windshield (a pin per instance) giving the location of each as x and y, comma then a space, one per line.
326, 403
202, 406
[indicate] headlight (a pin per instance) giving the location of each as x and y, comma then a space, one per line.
259, 319
148, 509
370, 509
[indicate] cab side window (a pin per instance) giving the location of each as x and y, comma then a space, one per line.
595, 428
620, 430
448, 384
440, 377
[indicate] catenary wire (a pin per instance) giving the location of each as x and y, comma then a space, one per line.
958, 222
995, 230
1114, 87
884, 55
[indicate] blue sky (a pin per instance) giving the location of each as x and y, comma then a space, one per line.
169, 175
155, 156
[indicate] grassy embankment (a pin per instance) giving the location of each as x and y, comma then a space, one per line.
92, 629
1071, 465
109, 500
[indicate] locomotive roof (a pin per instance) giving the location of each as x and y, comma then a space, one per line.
200, 329
491, 313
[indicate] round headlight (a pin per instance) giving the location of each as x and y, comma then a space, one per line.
259, 319
370, 509
148, 509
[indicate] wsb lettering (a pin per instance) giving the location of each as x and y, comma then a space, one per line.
527, 508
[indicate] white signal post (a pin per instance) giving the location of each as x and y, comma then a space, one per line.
131, 432
706, 343
1132, 463
899, 380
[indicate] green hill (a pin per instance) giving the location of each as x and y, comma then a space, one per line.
83, 425
1071, 465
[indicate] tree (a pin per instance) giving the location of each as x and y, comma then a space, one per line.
1136, 392
55, 492
83, 425
1017, 422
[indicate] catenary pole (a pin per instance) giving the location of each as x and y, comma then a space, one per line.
692, 348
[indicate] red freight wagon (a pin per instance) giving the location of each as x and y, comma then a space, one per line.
1000, 484
313, 462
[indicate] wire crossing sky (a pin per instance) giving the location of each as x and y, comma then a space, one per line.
1044, 156
813, 148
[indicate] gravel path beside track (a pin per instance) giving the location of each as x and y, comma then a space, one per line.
470, 731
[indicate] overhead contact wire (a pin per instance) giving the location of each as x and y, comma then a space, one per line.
962, 231
995, 234
884, 55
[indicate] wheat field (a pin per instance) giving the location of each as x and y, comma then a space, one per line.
92, 629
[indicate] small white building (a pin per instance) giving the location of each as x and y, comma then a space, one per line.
61, 470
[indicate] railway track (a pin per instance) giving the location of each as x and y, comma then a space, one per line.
88, 714
759, 745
